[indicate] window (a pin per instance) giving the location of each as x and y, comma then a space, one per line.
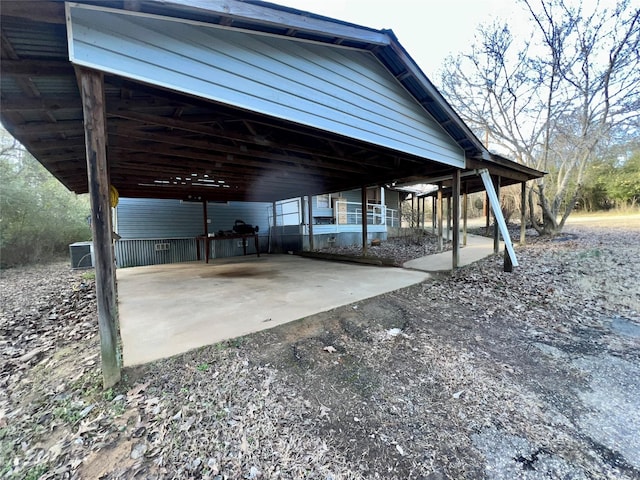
323, 201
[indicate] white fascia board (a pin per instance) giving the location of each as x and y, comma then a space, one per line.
269, 16
497, 212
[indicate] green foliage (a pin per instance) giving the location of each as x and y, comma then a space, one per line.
90, 275
39, 217
36, 472
624, 185
612, 183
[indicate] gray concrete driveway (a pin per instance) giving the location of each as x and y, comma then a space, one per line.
169, 309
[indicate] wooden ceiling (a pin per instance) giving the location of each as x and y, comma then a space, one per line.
163, 144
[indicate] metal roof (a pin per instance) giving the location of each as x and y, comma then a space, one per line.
182, 137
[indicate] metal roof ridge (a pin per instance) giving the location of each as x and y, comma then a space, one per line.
273, 14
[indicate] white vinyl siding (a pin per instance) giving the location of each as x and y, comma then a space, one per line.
332, 88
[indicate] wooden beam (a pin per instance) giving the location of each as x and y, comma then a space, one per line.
465, 214
365, 233
46, 12
92, 92
440, 208
434, 208
455, 196
205, 218
37, 129
212, 148
413, 211
36, 68
23, 104
523, 214
316, 156
310, 211
448, 218
495, 169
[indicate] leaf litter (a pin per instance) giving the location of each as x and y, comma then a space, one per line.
475, 374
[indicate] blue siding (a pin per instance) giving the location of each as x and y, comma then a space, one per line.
223, 216
332, 88
143, 223
142, 218
149, 218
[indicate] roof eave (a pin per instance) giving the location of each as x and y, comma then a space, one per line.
416, 72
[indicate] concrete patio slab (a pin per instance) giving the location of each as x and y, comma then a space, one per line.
477, 248
169, 309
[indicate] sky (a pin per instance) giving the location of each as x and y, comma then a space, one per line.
428, 29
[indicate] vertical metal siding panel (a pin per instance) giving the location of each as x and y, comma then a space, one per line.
143, 222
141, 252
153, 218
352, 196
223, 216
335, 89
392, 199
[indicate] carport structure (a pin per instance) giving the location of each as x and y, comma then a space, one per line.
219, 100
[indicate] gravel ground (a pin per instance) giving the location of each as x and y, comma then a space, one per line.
533, 374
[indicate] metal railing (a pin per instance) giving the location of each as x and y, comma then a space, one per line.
350, 213
344, 213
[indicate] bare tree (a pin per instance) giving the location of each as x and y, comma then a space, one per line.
553, 97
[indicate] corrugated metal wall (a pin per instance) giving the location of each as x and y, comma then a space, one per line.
134, 253
333, 88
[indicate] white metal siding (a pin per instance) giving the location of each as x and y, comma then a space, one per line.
332, 88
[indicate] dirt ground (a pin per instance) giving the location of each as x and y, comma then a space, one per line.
478, 374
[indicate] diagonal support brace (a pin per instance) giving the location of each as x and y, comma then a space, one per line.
497, 211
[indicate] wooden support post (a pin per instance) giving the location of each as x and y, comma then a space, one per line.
424, 211
448, 219
91, 85
440, 205
496, 229
207, 244
365, 234
272, 227
508, 265
418, 213
487, 213
433, 215
310, 209
413, 210
455, 196
274, 207
205, 218
523, 209
465, 214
